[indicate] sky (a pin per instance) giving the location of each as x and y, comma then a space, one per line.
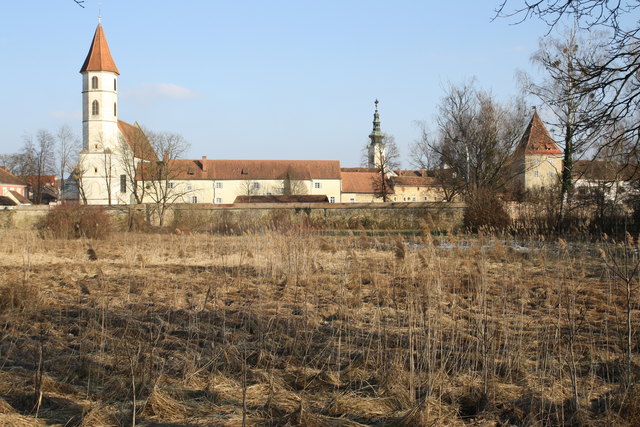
257, 79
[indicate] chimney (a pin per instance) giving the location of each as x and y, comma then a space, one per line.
423, 172
204, 163
165, 157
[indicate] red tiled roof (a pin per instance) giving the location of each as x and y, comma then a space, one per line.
359, 170
536, 139
359, 182
19, 197
600, 170
137, 140
411, 172
415, 181
7, 177
99, 57
297, 198
255, 169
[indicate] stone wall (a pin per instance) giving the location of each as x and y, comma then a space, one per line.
240, 218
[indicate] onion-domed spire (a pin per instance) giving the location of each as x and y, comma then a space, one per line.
376, 134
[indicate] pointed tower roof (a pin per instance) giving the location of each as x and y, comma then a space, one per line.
99, 57
376, 134
536, 139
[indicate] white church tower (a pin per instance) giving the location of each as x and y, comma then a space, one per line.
100, 133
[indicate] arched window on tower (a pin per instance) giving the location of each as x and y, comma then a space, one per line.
115, 110
95, 108
115, 86
94, 82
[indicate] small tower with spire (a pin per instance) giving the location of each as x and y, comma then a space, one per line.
376, 149
99, 96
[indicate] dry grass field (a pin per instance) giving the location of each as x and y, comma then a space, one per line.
295, 328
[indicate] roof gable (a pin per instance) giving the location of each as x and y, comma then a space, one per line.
536, 139
99, 56
137, 141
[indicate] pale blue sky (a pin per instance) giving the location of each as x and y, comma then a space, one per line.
258, 79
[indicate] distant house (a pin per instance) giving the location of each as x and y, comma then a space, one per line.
416, 186
605, 180
359, 185
13, 188
222, 181
43, 189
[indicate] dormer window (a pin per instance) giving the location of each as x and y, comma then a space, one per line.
94, 82
95, 108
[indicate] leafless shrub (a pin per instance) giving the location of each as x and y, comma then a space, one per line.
74, 222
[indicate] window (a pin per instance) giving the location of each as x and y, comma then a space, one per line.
95, 170
115, 111
550, 174
194, 199
317, 185
94, 82
123, 183
95, 108
189, 187
352, 199
115, 86
218, 185
332, 199
414, 200
169, 185
535, 173
218, 200
255, 185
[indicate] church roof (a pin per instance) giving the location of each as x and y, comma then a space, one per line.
99, 57
137, 140
536, 139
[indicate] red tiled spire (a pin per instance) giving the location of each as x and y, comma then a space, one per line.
99, 57
536, 139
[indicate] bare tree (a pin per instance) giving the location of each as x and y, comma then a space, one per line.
562, 94
388, 159
131, 152
476, 137
292, 184
107, 170
612, 75
249, 187
423, 155
13, 162
38, 159
78, 172
161, 177
68, 147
